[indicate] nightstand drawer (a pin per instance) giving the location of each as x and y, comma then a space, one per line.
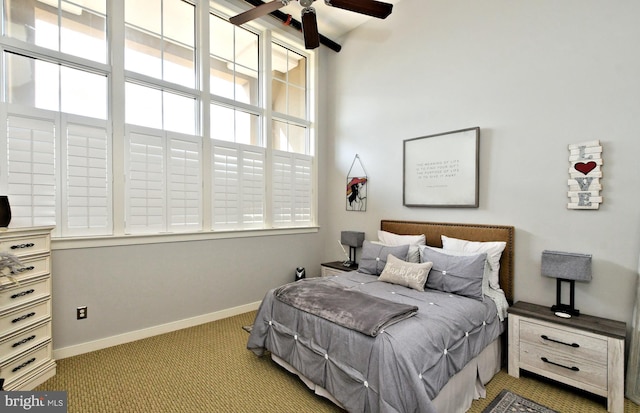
536, 358
330, 272
566, 341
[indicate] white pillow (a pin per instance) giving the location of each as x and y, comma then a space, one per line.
492, 249
414, 242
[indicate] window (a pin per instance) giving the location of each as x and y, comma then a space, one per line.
201, 141
57, 112
77, 28
37, 83
233, 62
160, 39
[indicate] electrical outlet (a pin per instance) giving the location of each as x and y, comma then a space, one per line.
81, 312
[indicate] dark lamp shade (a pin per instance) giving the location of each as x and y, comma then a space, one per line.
352, 238
566, 265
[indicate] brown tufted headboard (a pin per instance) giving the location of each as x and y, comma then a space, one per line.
471, 232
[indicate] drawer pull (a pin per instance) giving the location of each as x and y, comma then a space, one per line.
19, 270
545, 337
546, 360
23, 341
24, 317
20, 246
25, 364
23, 293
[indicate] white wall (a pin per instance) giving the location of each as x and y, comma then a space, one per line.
535, 76
130, 289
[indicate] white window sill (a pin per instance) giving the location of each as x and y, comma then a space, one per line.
110, 241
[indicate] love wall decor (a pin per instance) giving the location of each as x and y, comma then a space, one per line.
585, 171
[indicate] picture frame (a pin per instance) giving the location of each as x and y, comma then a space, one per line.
357, 193
442, 170
356, 189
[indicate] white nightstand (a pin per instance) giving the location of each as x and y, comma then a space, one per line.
335, 268
583, 351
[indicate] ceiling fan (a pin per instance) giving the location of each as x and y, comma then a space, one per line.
372, 8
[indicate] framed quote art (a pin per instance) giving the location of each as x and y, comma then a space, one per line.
442, 170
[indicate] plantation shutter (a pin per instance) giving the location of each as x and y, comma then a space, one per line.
185, 183
292, 189
238, 186
145, 184
31, 170
86, 205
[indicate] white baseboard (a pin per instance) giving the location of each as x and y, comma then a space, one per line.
151, 331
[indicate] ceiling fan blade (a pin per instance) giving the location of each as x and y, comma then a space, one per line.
310, 28
258, 11
369, 7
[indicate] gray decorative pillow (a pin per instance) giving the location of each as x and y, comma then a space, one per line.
374, 256
460, 275
405, 273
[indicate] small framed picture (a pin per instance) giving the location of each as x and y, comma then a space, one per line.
357, 193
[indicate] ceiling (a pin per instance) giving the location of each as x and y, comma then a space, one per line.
332, 21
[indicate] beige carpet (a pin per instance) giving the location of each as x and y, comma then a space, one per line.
208, 369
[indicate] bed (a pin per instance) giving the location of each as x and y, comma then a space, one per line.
434, 351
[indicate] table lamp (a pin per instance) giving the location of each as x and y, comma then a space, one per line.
354, 240
566, 267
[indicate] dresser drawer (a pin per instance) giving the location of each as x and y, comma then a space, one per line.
24, 245
24, 340
24, 293
24, 317
572, 343
33, 267
18, 367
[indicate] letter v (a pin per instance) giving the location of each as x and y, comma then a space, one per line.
584, 183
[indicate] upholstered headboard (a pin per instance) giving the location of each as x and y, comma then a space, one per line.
471, 232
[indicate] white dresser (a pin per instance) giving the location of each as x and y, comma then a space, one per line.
25, 310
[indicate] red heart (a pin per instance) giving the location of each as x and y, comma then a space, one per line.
585, 168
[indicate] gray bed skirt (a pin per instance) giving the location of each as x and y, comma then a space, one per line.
456, 396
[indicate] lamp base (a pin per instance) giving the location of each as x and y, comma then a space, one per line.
564, 309
559, 307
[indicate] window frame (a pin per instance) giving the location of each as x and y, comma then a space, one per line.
117, 76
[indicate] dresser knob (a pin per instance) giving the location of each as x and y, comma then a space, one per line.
25, 364
23, 293
26, 340
20, 246
24, 317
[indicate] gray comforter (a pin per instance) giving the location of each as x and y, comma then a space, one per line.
399, 370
